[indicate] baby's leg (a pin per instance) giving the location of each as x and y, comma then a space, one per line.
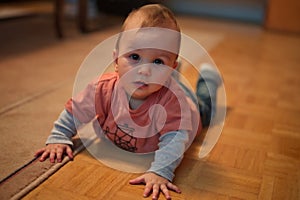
206, 92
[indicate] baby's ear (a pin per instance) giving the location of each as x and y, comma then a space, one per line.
115, 57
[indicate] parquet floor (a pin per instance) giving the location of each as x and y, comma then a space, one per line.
258, 153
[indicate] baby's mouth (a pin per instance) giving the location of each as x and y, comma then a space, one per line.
140, 84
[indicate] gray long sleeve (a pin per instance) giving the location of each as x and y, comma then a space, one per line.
64, 129
170, 153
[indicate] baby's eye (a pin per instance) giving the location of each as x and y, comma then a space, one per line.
134, 56
158, 62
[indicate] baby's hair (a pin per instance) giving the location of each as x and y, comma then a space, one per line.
154, 15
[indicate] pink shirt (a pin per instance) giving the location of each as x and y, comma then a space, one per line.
138, 130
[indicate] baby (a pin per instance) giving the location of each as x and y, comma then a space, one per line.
133, 96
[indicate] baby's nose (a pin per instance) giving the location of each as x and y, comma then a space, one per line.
145, 70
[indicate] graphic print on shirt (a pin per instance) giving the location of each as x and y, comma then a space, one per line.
122, 137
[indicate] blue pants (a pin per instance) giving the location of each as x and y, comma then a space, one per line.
205, 98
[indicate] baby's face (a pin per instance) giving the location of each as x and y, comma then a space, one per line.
144, 71
145, 58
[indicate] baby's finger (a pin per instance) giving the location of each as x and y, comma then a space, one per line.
155, 191
173, 187
137, 180
165, 191
69, 152
59, 154
148, 189
52, 155
44, 156
39, 152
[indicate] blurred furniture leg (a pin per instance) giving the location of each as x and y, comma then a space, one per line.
58, 17
82, 15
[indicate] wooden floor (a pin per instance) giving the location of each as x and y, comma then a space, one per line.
258, 153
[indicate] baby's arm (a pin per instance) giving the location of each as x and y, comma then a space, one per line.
60, 140
169, 155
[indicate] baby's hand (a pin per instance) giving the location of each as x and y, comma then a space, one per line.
54, 151
155, 184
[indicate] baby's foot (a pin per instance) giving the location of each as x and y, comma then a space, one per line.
207, 86
210, 73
